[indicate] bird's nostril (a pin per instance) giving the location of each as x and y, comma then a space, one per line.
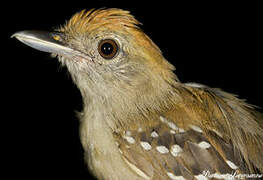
56, 37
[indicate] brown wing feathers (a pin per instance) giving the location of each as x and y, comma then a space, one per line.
178, 154
183, 150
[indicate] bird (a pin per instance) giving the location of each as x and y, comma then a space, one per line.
139, 121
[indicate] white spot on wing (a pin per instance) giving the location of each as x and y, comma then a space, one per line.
172, 131
231, 164
162, 119
201, 177
129, 139
173, 177
176, 150
196, 128
146, 145
204, 145
154, 134
173, 126
162, 149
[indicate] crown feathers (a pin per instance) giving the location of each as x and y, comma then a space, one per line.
87, 21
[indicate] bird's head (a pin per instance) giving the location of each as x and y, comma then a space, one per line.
106, 53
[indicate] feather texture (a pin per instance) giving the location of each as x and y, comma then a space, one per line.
139, 121
208, 142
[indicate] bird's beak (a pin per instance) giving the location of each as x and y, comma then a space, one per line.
52, 42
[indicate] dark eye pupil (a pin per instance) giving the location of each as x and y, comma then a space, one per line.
107, 48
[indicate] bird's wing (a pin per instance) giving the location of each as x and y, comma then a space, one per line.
183, 146
238, 122
165, 151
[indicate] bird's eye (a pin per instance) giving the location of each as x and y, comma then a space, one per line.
108, 48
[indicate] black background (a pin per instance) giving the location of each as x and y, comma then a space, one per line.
219, 45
